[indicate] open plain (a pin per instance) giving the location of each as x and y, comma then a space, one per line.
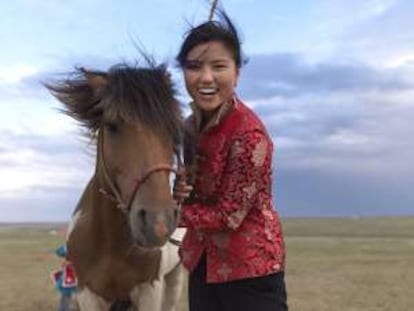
333, 264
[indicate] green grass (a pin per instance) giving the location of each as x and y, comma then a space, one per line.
26, 260
332, 265
350, 264
387, 227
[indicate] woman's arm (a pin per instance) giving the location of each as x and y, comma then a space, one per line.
243, 178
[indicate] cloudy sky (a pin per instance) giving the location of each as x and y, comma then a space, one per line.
333, 81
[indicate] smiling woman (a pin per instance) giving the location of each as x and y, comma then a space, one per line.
233, 247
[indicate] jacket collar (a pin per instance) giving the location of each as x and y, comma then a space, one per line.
219, 115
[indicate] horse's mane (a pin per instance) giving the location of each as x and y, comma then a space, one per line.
131, 93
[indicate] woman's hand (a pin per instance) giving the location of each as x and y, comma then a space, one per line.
181, 190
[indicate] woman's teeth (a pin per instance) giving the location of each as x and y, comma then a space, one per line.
207, 91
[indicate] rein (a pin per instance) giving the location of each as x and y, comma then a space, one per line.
115, 194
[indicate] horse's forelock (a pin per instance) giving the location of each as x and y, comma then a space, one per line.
131, 94
80, 101
144, 95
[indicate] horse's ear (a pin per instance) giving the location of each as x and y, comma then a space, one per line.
97, 81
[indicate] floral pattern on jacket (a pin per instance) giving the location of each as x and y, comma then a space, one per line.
230, 215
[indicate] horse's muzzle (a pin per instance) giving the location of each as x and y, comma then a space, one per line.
152, 227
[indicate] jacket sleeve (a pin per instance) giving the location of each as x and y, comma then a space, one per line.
245, 176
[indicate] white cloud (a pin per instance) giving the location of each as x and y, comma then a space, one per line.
400, 59
347, 115
360, 133
16, 72
30, 162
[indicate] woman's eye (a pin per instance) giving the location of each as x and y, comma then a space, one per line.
192, 65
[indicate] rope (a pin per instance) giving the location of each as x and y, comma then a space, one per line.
213, 8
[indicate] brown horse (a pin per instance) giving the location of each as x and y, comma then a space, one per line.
118, 237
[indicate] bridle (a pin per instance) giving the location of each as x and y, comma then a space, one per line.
114, 194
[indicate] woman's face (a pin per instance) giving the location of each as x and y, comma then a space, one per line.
210, 75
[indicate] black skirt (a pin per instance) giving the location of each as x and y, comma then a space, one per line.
266, 293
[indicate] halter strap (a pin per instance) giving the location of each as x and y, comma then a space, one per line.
115, 194
149, 172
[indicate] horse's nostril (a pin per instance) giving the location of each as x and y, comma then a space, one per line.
142, 216
161, 230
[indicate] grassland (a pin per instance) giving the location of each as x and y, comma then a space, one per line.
350, 265
333, 265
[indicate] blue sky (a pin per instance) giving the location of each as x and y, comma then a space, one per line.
332, 80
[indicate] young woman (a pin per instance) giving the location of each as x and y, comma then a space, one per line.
234, 246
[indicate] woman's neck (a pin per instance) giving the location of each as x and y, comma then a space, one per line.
206, 116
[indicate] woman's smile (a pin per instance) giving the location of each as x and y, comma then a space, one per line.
210, 75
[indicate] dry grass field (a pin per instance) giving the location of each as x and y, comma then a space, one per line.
333, 265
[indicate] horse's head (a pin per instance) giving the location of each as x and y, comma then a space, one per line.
136, 121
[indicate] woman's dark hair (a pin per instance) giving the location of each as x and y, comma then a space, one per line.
223, 31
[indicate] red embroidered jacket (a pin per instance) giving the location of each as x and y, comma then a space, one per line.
230, 215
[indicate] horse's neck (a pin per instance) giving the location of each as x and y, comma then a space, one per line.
100, 224
100, 246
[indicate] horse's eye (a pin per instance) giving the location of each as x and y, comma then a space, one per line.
112, 127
